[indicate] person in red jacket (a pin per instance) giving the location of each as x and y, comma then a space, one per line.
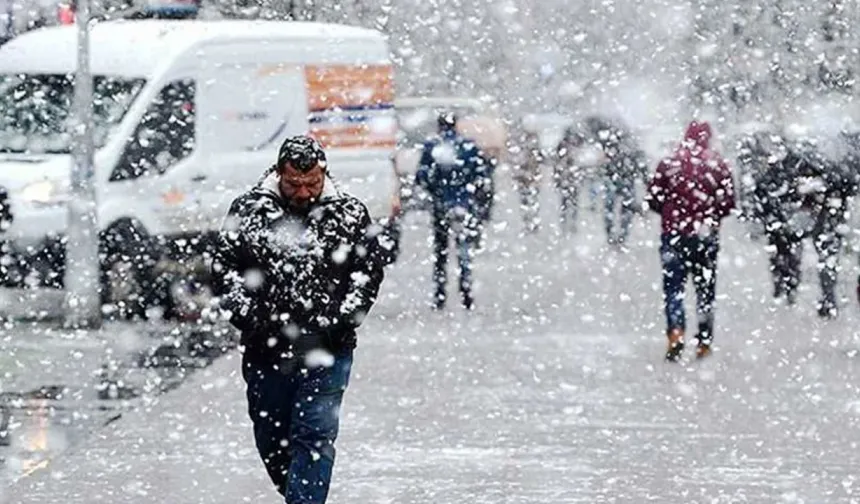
693, 191
66, 12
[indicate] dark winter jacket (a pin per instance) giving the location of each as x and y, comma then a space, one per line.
295, 281
625, 161
451, 169
568, 172
804, 193
693, 189
5, 210
776, 201
529, 161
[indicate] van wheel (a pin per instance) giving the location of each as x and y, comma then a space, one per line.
128, 256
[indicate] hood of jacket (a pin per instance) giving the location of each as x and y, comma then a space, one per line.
698, 134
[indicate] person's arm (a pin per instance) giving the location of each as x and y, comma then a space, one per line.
425, 166
725, 191
365, 277
640, 160
247, 256
763, 207
6, 216
482, 165
655, 196
228, 274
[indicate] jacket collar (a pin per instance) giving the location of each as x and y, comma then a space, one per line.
269, 185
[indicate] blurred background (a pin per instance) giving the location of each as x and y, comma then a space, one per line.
747, 60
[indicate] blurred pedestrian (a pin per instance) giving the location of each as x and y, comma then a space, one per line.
568, 176
450, 171
776, 203
693, 192
528, 165
297, 269
484, 196
625, 163
824, 187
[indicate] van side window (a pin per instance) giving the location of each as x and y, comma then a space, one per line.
164, 136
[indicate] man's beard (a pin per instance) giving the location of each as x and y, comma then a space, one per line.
302, 206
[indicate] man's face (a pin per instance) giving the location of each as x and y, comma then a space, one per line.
301, 188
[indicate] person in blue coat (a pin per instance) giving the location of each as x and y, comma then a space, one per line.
450, 170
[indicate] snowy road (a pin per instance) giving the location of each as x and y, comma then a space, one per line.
554, 391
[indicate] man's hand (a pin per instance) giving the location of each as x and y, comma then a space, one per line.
234, 307
212, 315
396, 206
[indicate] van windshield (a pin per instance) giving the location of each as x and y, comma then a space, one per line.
36, 110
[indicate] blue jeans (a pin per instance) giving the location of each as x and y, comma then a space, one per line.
623, 191
695, 256
295, 411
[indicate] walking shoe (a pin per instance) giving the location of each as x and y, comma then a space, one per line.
778, 289
703, 350
827, 310
676, 345
468, 302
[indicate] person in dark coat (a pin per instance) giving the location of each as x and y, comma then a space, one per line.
569, 175
625, 163
755, 151
693, 192
10, 274
824, 187
297, 268
450, 170
777, 205
852, 167
804, 194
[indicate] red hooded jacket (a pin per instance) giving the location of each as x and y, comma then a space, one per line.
693, 189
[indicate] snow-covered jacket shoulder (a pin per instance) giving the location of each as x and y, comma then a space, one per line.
450, 168
314, 273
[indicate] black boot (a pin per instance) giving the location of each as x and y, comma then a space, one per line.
439, 300
827, 309
791, 296
468, 302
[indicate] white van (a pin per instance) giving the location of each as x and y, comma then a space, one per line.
187, 115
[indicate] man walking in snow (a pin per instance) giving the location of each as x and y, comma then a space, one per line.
692, 191
297, 267
450, 171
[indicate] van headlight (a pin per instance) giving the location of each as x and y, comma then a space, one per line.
45, 192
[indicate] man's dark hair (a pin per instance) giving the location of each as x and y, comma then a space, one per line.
447, 121
302, 153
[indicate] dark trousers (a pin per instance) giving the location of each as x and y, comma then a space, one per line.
569, 207
530, 204
465, 228
785, 260
623, 192
485, 195
695, 256
295, 411
827, 242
